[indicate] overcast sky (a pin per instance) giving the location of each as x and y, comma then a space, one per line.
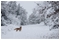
28, 5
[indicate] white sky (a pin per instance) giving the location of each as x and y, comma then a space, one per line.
28, 5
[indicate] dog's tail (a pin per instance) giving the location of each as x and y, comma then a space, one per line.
15, 29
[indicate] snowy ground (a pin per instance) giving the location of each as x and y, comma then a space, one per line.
38, 31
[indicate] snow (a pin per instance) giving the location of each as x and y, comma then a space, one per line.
36, 31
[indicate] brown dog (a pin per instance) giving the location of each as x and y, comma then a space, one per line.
18, 29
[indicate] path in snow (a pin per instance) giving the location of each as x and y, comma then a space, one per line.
32, 32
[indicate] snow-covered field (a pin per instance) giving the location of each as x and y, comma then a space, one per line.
38, 31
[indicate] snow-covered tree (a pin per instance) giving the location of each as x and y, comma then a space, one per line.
47, 11
52, 14
22, 14
3, 12
34, 18
12, 13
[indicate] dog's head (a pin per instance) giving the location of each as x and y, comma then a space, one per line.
20, 26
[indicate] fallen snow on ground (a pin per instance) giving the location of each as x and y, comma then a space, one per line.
38, 31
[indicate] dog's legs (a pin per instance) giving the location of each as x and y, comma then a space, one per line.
19, 30
16, 30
